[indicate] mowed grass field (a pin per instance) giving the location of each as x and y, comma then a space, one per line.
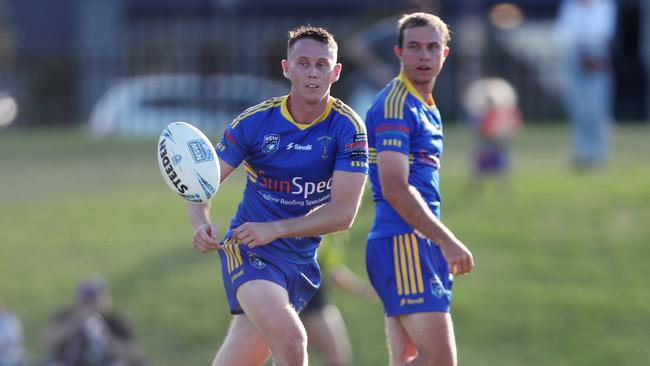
562, 263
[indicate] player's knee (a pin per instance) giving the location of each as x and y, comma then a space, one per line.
426, 357
292, 346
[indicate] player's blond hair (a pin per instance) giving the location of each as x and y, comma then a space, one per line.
420, 19
309, 32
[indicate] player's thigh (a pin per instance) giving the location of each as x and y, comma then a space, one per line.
432, 334
267, 306
326, 331
243, 345
400, 346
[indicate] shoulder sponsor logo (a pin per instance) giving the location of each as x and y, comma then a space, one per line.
392, 127
200, 151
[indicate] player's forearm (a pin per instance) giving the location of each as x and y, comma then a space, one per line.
410, 205
349, 281
329, 218
198, 214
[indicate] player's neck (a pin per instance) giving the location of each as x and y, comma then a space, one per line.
304, 112
425, 90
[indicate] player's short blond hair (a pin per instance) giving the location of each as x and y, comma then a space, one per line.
309, 32
420, 19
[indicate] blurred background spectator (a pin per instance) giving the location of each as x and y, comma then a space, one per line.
491, 104
90, 332
69, 57
584, 32
11, 339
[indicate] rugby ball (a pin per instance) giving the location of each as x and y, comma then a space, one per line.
188, 162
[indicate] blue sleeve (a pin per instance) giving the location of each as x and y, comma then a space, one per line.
392, 134
351, 145
233, 147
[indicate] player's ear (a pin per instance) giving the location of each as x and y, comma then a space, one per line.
336, 72
398, 51
446, 52
285, 68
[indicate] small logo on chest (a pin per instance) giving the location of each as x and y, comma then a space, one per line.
271, 143
325, 142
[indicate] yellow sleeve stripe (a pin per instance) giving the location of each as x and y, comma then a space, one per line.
394, 103
251, 173
398, 103
271, 103
389, 98
351, 114
391, 142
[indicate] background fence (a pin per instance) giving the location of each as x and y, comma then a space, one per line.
58, 59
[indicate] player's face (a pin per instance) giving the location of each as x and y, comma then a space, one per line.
311, 67
423, 52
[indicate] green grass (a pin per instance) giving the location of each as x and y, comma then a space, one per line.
562, 263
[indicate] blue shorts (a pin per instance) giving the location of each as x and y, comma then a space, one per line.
240, 264
409, 274
492, 161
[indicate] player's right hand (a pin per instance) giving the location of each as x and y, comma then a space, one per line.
204, 239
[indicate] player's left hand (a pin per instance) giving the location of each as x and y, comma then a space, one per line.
458, 256
254, 234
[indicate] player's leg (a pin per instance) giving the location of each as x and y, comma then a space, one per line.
432, 335
400, 348
243, 345
267, 306
327, 333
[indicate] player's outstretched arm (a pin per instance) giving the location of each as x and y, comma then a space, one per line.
407, 201
336, 215
205, 232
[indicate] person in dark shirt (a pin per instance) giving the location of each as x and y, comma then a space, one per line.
90, 332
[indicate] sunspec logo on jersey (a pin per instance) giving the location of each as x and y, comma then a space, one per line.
296, 185
294, 146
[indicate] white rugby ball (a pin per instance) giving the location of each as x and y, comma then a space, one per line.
188, 162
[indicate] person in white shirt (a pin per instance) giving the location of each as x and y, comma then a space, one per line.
584, 30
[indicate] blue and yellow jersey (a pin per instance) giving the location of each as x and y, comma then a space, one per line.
290, 166
400, 120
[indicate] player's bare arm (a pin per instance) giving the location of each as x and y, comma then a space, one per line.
338, 214
205, 232
407, 201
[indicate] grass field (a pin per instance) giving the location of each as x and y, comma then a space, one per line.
562, 264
